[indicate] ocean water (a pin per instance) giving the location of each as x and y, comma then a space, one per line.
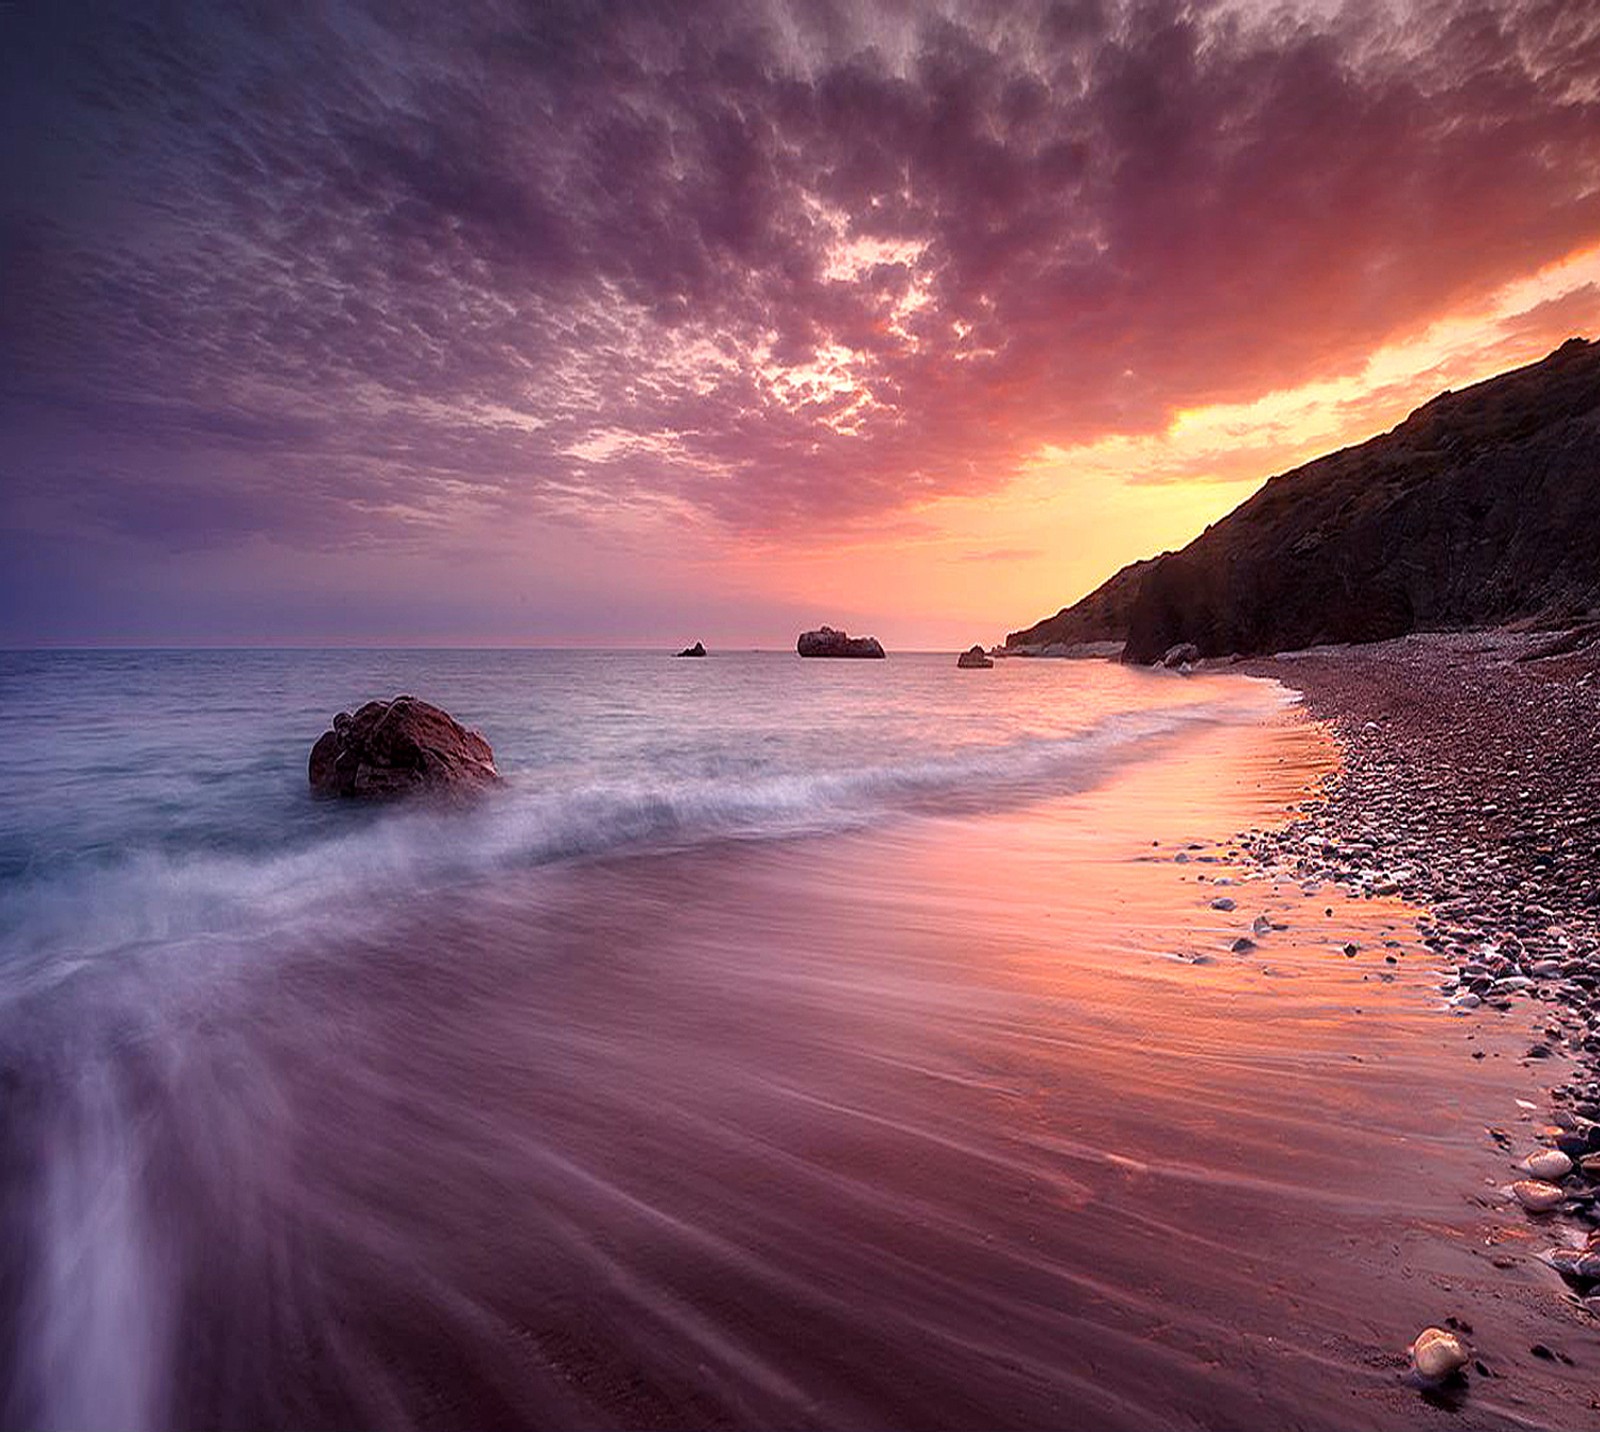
319, 1114
154, 796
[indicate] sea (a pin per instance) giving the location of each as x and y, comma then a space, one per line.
154, 797
756, 1056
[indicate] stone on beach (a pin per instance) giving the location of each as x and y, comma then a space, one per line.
1184, 654
1548, 1164
1580, 1263
1437, 1354
1222, 902
399, 748
1536, 1195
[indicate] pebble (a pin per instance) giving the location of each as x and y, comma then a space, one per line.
1222, 902
1478, 806
1580, 1263
1548, 1164
1537, 1196
1437, 1354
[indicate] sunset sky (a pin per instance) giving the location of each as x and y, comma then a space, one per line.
613, 324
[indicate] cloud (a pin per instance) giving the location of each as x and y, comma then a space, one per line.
339, 274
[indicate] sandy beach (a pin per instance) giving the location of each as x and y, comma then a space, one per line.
1061, 1114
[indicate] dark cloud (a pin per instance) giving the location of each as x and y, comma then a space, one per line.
326, 273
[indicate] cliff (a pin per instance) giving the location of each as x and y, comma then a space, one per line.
1480, 508
1101, 616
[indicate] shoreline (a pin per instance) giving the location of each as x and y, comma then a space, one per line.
1468, 787
1061, 1112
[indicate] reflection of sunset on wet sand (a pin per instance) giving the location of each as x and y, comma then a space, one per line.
901, 1093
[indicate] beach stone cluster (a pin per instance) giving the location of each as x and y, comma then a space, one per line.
404, 747
1469, 787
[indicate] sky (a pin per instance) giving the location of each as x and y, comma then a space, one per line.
610, 324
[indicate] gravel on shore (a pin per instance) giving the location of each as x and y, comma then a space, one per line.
1470, 787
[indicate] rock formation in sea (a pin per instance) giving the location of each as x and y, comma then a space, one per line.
400, 748
974, 658
698, 649
1480, 508
825, 641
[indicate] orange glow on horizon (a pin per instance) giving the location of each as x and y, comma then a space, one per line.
964, 569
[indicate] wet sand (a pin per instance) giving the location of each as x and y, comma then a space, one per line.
937, 1125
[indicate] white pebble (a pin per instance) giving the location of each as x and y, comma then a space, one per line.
1548, 1164
1436, 1354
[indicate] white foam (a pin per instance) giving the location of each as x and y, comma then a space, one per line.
54, 924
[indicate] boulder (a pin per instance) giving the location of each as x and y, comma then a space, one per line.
1184, 654
696, 650
825, 641
973, 658
399, 748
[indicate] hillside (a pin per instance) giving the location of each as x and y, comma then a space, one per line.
1101, 616
1481, 507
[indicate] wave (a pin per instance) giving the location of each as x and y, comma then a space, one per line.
53, 924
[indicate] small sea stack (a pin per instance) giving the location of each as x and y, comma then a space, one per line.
974, 658
825, 641
698, 649
404, 747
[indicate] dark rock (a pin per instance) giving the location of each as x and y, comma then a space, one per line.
1184, 654
825, 641
973, 658
400, 748
696, 650
1480, 508
1100, 616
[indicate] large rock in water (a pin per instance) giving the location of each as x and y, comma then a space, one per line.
400, 748
974, 658
825, 641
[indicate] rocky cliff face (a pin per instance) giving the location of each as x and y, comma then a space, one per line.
1482, 507
1100, 616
